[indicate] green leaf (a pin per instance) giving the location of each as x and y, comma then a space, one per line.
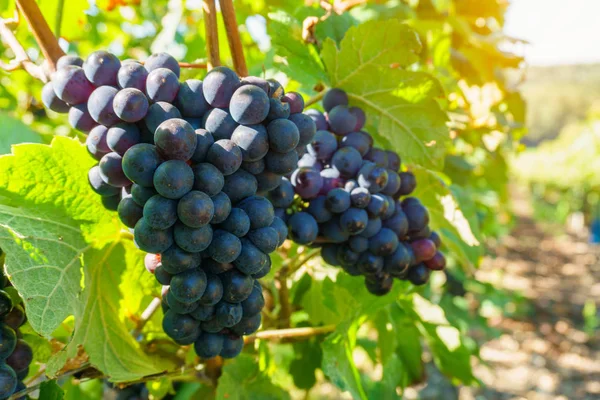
49, 390
459, 233
242, 379
13, 132
334, 27
399, 104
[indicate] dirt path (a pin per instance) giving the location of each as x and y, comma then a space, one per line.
545, 354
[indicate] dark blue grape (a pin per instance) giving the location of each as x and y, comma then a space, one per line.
393, 159
173, 179
190, 99
268, 180
214, 267
354, 220
111, 170
360, 116
398, 262
8, 337
97, 142
203, 312
295, 100
283, 196
333, 231
176, 260
240, 185
329, 254
307, 182
341, 120
259, 210
176, 139
219, 85
225, 155
373, 227
347, 160
129, 212
225, 247
152, 240
251, 259
111, 203
179, 307
391, 208
358, 244
162, 60
281, 228
132, 75
212, 325
253, 80
334, 97
236, 286
71, 85
264, 271
195, 209
436, 239
379, 286
372, 177
98, 185
323, 145
249, 105
219, 123
331, 180
15, 317
337, 200
377, 156
284, 135
360, 141
209, 345
162, 276
101, 68
179, 326
393, 183
100, 105
319, 119
80, 118
130, 105
370, 264
318, 210
408, 183
162, 85
8, 381
204, 140
222, 205
360, 197
141, 194
158, 113
255, 302
252, 141
189, 286
254, 167
248, 324
419, 274
21, 357
384, 242
232, 346
306, 127
208, 179
122, 137
397, 223
278, 110
281, 163
67, 59
214, 291
303, 228
416, 214
228, 314
51, 100
346, 256
378, 205
140, 163
193, 240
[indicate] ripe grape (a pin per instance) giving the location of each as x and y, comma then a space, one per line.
71, 85
173, 179
8, 381
252, 140
419, 274
248, 324
219, 123
21, 357
225, 247
236, 286
282, 196
337, 200
219, 85
384, 242
306, 182
97, 142
8, 338
303, 228
228, 314
160, 212
306, 127
175, 139
295, 100
69, 60
52, 101
249, 105
347, 160
354, 220
208, 179
99, 185
188, 286
100, 105
121, 137
232, 346
101, 68
209, 345
323, 145
179, 326
408, 183
130, 105
152, 240
80, 118
162, 85
222, 205
176, 260
281, 163
111, 170
225, 155
281, 229
190, 99
158, 113
140, 163
259, 210
162, 60
360, 141
214, 291
129, 211
268, 180
341, 120
195, 209
334, 97
132, 75
192, 239
251, 259
240, 185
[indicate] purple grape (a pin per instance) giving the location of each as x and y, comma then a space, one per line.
132, 75
71, 85
101, 68
130, 105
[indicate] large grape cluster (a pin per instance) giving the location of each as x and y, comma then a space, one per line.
356, 203
182, 162
15, 353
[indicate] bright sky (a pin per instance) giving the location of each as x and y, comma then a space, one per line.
560, 31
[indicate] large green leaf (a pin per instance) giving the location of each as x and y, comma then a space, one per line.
400, 105
242, 379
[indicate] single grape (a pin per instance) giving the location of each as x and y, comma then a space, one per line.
333, 232
354, 220
101, 68
249, 105
306, 126
236, 286
360, 116
318, 209
394, 161
398, 262
173, 179
248, 324
8, 337
360, 141
275, 88
71, 85
303, 228
225, 247
162, 276
129, 212
214, 267
98, 185
347, 160
8, 381
162, 85
393, 184
408, 183
372, 177
277, 110
379, 286
259, 210
377, 156
384, 242
219, 123
337, 200
346, 256
283, 196
130, 105
190, 99
252, 140
240, 185
193, 239
268, 180
121, 137
80, 118
214, 290
176, 139
378, 205
21, 357
228, 314
419, 274
140, 163
329, 254
358, 244
65, 60
232, 346
416, 213
208, 179
204, 139
319, 119
179, 326
160, 212
111, 170
334, 97
189, 286
281, 163
162, 60
15, 318
176, 260
225, 155
360, 197
253, 167
373, 227
307, 182
256, 81
132, 75
251, 259
423, 249
195, 209
437, 262
222, 205
209, 345
51, 100
152, 240
219, 85
283, 135
397, 223
158, 113
255, 302
341, 120
295, 100
100, 105
370, 264
281, 228
323, 145
97, 142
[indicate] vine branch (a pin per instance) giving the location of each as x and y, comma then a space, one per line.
233, 37
211, 32
35, 387
292, 334
21, 60
41, 31
146, 316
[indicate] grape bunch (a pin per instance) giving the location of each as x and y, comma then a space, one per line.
356, 204
183, 164
15, 353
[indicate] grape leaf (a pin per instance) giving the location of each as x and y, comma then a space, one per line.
50, 390
400, 105
242, 379
459, 233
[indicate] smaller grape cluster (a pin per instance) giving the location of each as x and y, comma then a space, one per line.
356, 204
15, 353
182, 163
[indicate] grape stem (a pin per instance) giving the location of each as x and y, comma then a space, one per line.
21, 60
146, 316
292, 334
316, 98
41, 31
233, 37
212, 33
